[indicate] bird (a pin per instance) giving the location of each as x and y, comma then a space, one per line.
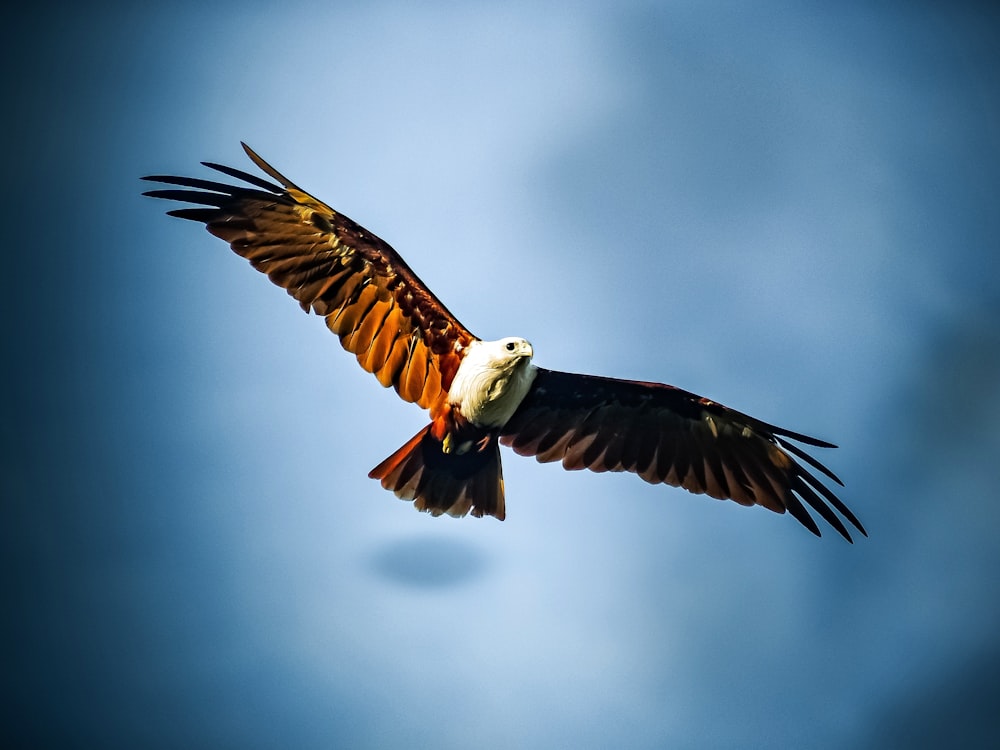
483, 394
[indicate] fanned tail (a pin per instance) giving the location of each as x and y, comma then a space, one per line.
439, 482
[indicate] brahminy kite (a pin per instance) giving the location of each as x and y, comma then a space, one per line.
481, 394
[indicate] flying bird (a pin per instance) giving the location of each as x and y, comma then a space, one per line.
481, 394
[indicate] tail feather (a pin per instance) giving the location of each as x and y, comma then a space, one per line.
439, 482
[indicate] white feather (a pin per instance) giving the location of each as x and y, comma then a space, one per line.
492, 380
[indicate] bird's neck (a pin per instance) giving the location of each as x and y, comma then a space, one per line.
487, 393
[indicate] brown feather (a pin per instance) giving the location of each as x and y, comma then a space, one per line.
737, 483
553, 450
576, 449
378, 353
665, 434
335, 268
368, 328
411, 381
400, 332
439, 482
391, 370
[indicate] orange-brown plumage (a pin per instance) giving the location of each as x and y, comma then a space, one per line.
480, 394
368, 295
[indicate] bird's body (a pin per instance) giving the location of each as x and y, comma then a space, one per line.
484, 393
492, 381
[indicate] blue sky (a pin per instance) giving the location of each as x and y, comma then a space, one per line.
790, 209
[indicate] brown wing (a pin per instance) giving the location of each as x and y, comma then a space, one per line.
371, 299
665, 434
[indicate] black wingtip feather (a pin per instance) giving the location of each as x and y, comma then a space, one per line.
795, 450
199, 184
800, 514
798, 436
239, 174
268, 169
831, 498
189, 196
202, 215
809, 495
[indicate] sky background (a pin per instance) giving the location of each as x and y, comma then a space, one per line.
788, 208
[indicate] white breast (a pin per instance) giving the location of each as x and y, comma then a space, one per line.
492, 382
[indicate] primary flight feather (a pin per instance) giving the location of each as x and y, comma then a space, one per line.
484, 393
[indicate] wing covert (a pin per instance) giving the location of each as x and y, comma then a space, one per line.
668, 435
381, 311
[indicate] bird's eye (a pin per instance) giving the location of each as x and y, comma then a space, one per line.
510, 346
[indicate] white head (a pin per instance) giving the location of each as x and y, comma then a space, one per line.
492, 380
503, 354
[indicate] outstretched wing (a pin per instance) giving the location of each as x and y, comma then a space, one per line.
381, 311
665, 434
